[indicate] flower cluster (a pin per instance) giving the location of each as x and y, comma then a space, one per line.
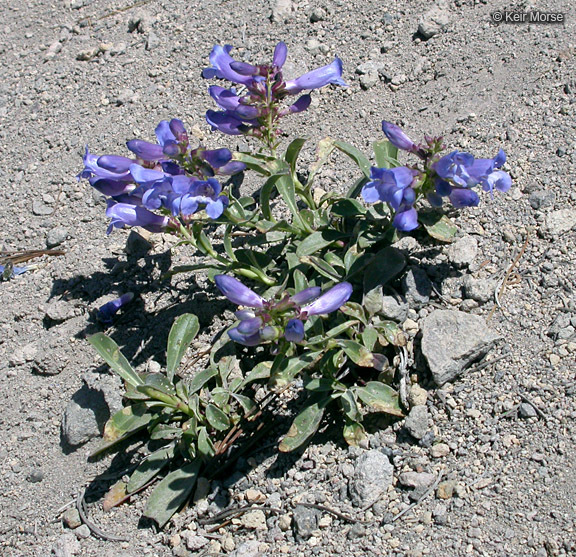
168, 176
257, 112
452, 176
268, 320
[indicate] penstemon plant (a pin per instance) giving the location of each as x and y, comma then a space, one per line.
317, 273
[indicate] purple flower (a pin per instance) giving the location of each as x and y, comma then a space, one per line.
13, 271
124, 214
268, 320
236, 292
397, 137
259, 109
332, 73
330, 301
204, 194
106, 313
294, 331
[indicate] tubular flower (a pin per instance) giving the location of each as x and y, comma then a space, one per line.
271, 320
453, 176
168, 176
258, 111
106, 313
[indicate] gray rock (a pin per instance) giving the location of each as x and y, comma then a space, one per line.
281, 10
452, 340
318, 14
56, 236
417, 287
125, 96
193, 541
304, 521
479, 290
434, 21
416, 480
417, 422
91, 406
152, 41
59, 310
66, 546
247, 549
82, 532
393, 309
526, 410
559, 222
35, 476
40, 209
463, 252
71, 518
542, 199
369, 67
369, 80
372, 477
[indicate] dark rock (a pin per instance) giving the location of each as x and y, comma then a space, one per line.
526, 410
305, 521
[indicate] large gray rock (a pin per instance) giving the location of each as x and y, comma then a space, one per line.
373, 476
417, 422
452, 340
559, 222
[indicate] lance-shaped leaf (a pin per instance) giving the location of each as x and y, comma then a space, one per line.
293, 151
205, 445
248, 405
350, 406
201, 378
150, 467
324, 268
380, 397
284, 369
172, 492
317, 241
109, 350
182, 333
386, 154
286, 189
356, 155
305, 424
259, 371
392, 332
439, 226
216, 418
359, 354
123, 424
354, 433
348, 208
334, 332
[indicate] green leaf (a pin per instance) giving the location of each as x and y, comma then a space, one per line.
373, 300
248, 405
354, 433
123, 424
259, 371
109, 350
285, 188
293, 151
334, 332
393, 333
348, 208
216, 418
359, 354
356, 155
354, 310
317, 241
265, 193
285, 369
350, 406
386, 265
150, 467
160, 383
369, 337
325, 269
386, 154
322, 385
205, 445
262, 164
300, 280
171, 493
201, 378
438, 226
380, 397
356, 187
305, 424
227, 242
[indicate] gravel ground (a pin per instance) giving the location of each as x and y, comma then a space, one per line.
488, 457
